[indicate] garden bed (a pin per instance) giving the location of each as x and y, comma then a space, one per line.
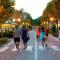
3, 41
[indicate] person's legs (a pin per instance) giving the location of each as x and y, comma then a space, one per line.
17, 45
46, 40
42, 43
25, 44
37, 37
17, 40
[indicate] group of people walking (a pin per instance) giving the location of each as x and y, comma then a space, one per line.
42, 34
20, 33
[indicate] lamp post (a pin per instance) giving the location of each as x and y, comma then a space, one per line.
51, 19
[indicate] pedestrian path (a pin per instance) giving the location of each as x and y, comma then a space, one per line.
29, 48
4, 49
34, 50
31, 45
54, 38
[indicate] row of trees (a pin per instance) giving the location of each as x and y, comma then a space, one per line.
6, 9
52, 9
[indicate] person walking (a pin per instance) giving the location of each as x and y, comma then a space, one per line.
16, 36
42, 36
25, 36
37, 32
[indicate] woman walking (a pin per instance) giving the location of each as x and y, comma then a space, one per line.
37, 32
42, 36
16, 35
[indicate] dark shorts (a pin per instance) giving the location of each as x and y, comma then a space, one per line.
24, 41
43, 40
37, 36
46, 34
16, 39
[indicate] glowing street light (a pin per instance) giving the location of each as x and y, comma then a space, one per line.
23, 23
1, 8
19, 19
14, 20
47, 22
51, 19
26, 23
44, 22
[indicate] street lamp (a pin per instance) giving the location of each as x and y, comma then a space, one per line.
47, 22
26, 23
23, 23
44, 22
13, 20
51, 19
19, 20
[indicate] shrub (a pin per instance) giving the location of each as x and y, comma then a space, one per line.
54, 30
3, 40
8, 34
5, 34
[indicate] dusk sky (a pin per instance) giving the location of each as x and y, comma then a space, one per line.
34, 7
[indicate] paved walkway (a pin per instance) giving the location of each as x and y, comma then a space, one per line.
34, 50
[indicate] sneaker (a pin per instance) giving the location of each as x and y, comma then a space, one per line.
46, 45
25, 46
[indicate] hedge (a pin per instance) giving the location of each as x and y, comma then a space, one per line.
3, 40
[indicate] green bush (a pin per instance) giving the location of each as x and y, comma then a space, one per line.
3, 40
5, 34
50, 31
54, 30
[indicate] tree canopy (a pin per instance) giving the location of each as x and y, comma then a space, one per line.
52, 9
6, 9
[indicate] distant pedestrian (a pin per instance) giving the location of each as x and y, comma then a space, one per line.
25, 36
16, 35
42, 36
37, 32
